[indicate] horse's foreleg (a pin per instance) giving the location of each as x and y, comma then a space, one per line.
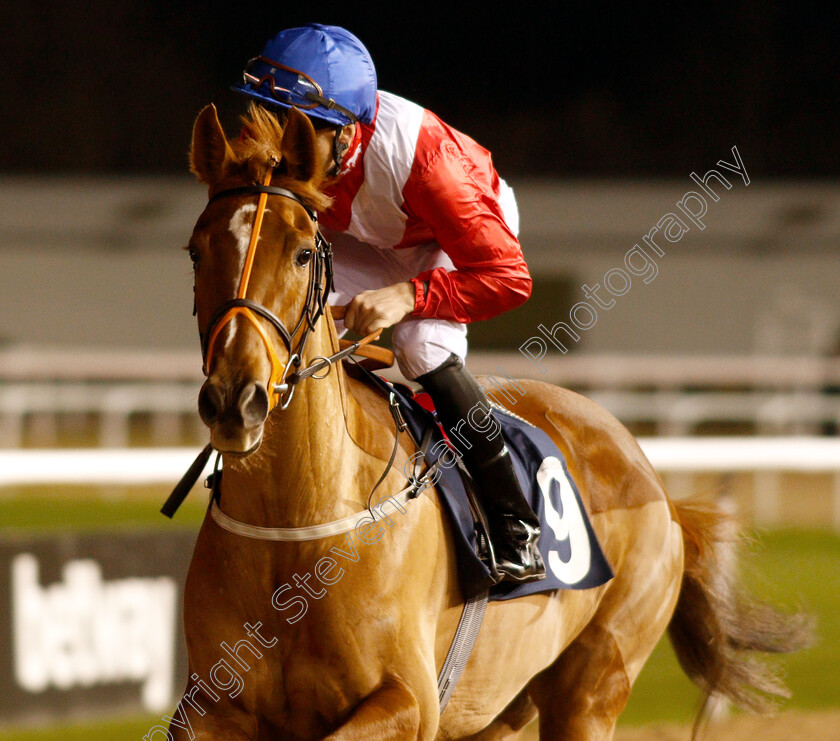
215, 729
222, 724
392, 712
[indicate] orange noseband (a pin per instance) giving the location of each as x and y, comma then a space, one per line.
278, 368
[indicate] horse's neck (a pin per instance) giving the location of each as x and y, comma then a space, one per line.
304, 472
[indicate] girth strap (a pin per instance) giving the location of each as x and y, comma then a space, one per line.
462, 645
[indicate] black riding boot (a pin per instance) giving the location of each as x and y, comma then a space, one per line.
463, 410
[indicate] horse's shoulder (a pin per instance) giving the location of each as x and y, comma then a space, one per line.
368, 419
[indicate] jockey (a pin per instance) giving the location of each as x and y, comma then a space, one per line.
427, 244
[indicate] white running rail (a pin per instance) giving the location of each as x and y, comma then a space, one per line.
769, 457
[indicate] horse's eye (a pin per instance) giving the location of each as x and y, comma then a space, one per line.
193, 253
303, 257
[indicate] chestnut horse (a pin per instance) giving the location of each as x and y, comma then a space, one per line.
354, 651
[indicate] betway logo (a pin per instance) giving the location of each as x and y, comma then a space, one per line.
84, 631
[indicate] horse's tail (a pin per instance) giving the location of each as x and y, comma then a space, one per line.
717, 629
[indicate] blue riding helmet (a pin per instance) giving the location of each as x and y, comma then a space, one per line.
323, 70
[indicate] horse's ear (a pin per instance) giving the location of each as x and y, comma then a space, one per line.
298, 147
210, 148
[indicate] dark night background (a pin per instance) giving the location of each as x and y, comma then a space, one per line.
552, 89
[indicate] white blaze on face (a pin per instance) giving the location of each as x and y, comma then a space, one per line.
240, 226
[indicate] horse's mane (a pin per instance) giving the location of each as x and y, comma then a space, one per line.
259, 142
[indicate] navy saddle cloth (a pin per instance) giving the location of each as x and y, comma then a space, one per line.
570, 550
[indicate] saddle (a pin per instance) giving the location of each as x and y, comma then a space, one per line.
573, 557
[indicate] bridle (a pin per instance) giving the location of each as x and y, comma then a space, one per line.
280, 381
281, 384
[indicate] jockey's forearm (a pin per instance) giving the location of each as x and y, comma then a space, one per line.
470, 295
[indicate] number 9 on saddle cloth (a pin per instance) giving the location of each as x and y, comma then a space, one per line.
567, 544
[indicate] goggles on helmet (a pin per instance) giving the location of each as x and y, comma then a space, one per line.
300, 89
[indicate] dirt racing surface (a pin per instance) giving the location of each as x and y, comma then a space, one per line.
791, 726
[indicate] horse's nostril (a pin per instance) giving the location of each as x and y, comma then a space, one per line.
209, 403
253, 404
250, 408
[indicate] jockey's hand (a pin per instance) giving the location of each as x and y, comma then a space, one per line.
379, 309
